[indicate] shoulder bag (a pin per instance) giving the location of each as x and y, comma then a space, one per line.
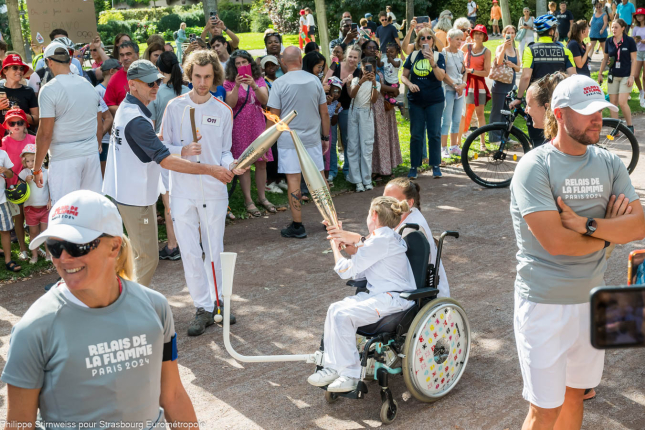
501, 72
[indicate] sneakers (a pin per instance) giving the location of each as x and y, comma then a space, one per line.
343, 384
294, 232
282, 184
330, 179
436, 172
369, 187
203, 319
445, 153
323, 377
360, 188
169, 254
456, 150
273, 188
412, 174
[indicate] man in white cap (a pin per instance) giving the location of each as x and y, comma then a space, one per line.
70, 128
566, 194
133, 170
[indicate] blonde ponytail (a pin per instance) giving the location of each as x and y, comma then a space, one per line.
389, 210
125, 261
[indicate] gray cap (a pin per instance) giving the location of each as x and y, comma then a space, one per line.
144, 70
110, 64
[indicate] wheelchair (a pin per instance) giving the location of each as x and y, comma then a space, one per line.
428, 344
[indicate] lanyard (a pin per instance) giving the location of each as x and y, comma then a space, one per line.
618, 45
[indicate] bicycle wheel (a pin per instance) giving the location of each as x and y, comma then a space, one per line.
616, 138
494, 167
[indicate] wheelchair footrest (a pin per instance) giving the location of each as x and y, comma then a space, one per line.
358, 393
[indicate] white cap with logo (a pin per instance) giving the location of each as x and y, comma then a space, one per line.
582, 94
80, 217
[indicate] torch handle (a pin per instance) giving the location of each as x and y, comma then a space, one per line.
192, 123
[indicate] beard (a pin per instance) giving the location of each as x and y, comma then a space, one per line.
202, 91
581, 136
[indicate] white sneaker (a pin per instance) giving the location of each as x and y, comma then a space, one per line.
343, 384
273, 188
323, 377
455, 150
360, 188
445, 153
369, 187
282, 184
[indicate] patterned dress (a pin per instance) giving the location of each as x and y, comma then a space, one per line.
386, 154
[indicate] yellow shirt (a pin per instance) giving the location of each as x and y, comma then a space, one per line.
527, 59
496, 12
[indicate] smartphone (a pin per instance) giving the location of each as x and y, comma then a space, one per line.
508, 37
368, 68
3, 95
334, 59
354, 26
618, 317
422, 19
214, 14
634, 261
245, 70
192, 37
426, 47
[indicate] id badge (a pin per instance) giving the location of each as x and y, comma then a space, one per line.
617, 65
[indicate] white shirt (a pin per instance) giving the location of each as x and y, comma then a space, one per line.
382, 261
472, 7
34, 80
38, 197
390, 71
5, 161
416, 217
100, 89
310, 19
303, 21
214, 120
363, 97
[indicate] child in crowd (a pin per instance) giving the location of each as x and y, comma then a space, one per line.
334, 108
16, 125
270, 66
495, 16
38, 204
391, 65
6, 210
337, 56
360, 136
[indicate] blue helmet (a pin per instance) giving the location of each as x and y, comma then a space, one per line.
545, 23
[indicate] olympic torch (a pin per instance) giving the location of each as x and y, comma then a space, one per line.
265, 141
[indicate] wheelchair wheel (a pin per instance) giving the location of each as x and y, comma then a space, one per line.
436, 349
388, 411
331, 397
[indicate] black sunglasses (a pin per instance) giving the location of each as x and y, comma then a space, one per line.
75, 250
16, 68
19, 123
425, 38
153, 83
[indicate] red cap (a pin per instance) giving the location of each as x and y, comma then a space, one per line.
14, 60
482, 29
494, 1
302, 11
640, 11
15, 112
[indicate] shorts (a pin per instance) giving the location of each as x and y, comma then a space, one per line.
105, 147
470, 97
289, 163
619, 86
495, 22
36, 215
6, 216
599, 39
640, 55
312, 30
555, 352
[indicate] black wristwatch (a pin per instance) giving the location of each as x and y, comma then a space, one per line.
591, 226
325, 138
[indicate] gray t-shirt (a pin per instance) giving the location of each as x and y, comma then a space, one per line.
93, 365
73, 103
585, 183
158, 105
300, 91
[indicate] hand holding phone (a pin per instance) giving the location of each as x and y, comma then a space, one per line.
245, 70
368, 68
354, 27
192, 37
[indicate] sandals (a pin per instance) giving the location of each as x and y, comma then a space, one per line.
252, 210
270, 207
13, 267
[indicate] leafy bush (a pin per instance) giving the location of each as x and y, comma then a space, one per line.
110, 15
260, 21
111, 29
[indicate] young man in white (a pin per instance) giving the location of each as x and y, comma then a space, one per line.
200, 202
566, 194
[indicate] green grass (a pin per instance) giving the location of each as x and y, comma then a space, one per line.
28, 270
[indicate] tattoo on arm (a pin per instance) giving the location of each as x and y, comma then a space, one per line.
294, 200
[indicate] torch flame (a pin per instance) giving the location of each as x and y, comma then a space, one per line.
276, 119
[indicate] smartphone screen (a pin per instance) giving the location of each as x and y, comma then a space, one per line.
245, 70
368, 68
634, 262
422, 19
618, 317
354, 26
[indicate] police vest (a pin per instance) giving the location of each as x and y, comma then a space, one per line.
547, 58
128, 180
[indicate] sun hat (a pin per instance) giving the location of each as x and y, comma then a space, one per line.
80, 217
482, 29
14, 60
144, 71
640, 11
582, 94
335, 81
14, 112
30, 148
269, 59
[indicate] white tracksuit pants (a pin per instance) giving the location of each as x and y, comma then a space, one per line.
345, 317
360, 144
188, 216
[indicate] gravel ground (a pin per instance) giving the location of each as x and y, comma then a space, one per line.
281, 293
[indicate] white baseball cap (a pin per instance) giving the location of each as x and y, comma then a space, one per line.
80, 217
582, 94
57, 52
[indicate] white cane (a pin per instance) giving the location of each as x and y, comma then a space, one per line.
218, 316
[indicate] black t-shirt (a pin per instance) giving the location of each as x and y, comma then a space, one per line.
564, 22
622, 66
345, 100
372, 25
579, 50
421, 75
386, 34
23, 97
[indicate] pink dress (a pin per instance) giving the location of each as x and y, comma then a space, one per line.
249, 122
14, 148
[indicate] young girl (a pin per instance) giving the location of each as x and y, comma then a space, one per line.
16, 124
38, 204
334, 108
391, 65
360, 137
380, 258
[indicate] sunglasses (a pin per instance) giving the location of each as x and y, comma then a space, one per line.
16, 123
75, 250
425, 37
15, 68
153, 83
93, 50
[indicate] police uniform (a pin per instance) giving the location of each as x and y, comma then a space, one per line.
214, 119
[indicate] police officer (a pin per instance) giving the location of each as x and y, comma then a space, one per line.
542, 58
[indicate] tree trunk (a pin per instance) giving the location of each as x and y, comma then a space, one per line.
506, 13
323, 32
540, 8
208, 5
13, 14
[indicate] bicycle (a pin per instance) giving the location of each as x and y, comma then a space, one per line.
494, 167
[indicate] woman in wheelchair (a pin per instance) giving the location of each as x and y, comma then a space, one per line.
405, 189
380, 258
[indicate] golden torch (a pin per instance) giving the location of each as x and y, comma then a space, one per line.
315, 182
265, 141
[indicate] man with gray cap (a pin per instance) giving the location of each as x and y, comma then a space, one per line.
133, 171
71, 128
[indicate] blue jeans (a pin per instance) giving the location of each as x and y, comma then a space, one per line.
428, 118
452, 113
343, 118
333, 156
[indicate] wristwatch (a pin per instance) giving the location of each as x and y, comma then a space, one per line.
325, 138
360, 242
591, 225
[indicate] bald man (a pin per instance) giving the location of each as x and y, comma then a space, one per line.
300, 91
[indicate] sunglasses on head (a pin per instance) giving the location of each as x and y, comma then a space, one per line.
15, 123
56, 247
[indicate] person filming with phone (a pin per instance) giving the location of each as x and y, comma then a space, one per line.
565, 198
216, 27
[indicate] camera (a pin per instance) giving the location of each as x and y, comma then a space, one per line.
192, 38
